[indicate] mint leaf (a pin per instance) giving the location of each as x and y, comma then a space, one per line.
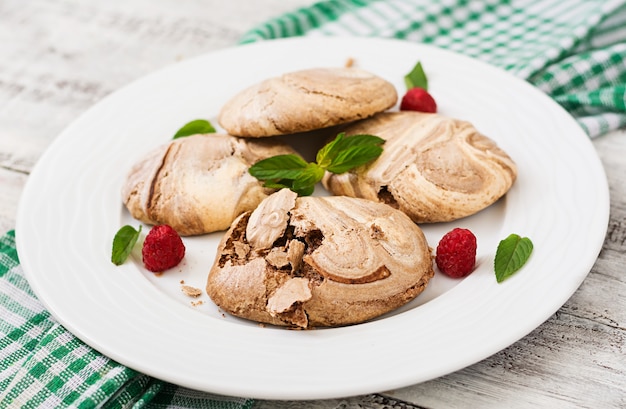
416, 78
301, 190
338, 156
123, 244
354, 157
288, 171
198, 126
327, 156
512, 253
308, 177
278, 167
278, 184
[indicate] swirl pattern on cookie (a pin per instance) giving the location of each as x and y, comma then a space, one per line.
433, 168
319, 261
198, 184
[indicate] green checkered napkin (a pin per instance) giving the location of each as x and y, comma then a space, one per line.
42, 365
573, 50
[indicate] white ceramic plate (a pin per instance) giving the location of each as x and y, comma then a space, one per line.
71, 209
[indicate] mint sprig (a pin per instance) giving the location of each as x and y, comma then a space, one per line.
511, 255
416, 78
338, 156
123, 243
343, 154
198, 126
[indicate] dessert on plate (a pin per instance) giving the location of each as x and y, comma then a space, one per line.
319, 261
198, 184
306, 100
433, 168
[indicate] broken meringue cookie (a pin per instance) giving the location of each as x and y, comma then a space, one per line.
198, 184
319, 261
433, 168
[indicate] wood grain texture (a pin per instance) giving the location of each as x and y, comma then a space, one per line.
59, 57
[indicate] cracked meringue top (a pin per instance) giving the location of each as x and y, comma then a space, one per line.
319, 261
306, 100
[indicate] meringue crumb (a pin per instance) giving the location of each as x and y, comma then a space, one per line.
191, 291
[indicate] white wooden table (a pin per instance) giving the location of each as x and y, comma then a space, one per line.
60, 57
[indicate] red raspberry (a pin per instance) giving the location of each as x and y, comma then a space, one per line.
456, 253
162, 249
418, 99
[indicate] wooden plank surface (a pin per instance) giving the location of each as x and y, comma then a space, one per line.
60, 57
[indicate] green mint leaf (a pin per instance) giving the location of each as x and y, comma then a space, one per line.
123, 244
356, 140
338, 156
512, 253
278, 184
302, 181
304, 190
354, 157
278, 167
288, 171
325, 154
416, 78
198, 126
307, 179
334, 154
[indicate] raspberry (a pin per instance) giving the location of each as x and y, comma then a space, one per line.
418, 99
456, 253
162, 249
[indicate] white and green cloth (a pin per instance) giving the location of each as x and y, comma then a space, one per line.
42, 365
574, 50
